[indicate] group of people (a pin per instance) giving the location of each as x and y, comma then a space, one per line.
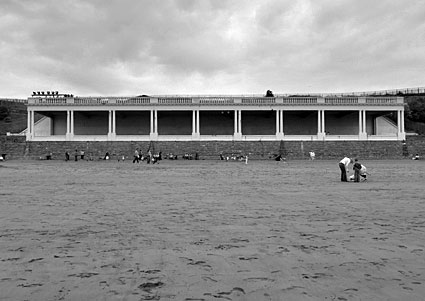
77, 154
234, 158
360, 171
149, 158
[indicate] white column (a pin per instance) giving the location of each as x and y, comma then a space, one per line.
320, 125
360, 123
402, 121
71, 125
319, 122
32, 125
281, 123
29, 125
400, 125
240, 122
193, 123
235, 131
151, 122
109, 124
238, 132
68, 124
198, 130
114, 124
277, 123
154, 125
155, 121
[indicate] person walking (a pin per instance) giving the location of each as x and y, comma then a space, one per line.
76, 155
136, 156
343, 166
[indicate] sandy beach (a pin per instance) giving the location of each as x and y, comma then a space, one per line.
211, 230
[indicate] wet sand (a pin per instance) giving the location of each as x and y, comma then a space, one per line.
211, 230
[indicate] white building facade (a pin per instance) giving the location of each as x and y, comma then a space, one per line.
215, 118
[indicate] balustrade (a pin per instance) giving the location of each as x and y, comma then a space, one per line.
217, 100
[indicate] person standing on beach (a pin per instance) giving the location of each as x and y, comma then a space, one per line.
343, 165
357, 167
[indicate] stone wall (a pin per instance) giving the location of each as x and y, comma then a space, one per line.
18, 148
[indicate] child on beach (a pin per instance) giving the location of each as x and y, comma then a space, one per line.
357, 167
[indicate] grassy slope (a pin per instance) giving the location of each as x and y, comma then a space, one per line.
18, 116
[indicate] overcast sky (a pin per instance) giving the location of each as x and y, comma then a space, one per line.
132, 47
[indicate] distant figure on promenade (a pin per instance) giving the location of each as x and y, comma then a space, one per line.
357, 167
106, 156
246, 159
312, 155
343, 166
1, 158
136, 156
76, 155
82, 155
66, 156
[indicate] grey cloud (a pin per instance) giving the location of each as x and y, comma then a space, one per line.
113, 47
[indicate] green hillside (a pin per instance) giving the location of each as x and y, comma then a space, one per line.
13, 117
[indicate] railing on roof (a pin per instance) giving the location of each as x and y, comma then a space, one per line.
215, 100
300, 100
341, 100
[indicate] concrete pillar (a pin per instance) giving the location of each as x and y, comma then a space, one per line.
114, 123
154, 125
29, 125
240, 122
111, 125
155, 122
195, 124
279, 124
319, 122
237, 133
68, 124
362, 125
71, 125
321, 125
198, 128
401, 135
